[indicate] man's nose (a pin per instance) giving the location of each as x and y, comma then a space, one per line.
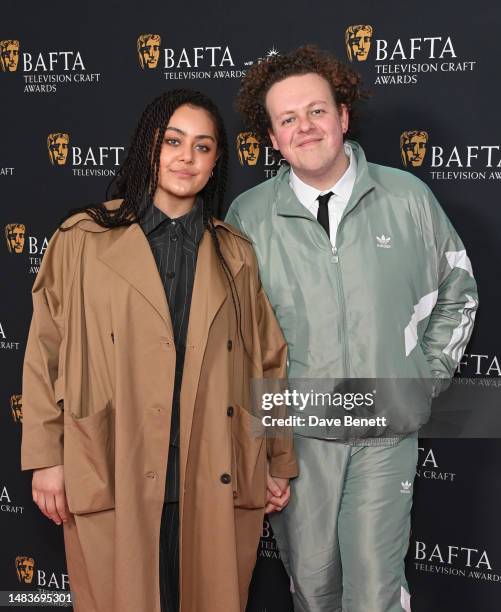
305, 123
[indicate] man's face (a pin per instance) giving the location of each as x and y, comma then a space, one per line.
15, 237
248, 150
151, 52
25, 568
307, 127
10, 56
415, 149
58, 149
360, 43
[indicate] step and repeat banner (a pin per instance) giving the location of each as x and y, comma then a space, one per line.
74, 80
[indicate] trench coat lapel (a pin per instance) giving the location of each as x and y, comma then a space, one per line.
210, 291
130, 256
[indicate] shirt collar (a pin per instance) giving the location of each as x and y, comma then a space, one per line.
192, 222
308, 195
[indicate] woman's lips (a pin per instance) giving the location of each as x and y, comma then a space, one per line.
183, 173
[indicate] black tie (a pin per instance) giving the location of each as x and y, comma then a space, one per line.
323, 211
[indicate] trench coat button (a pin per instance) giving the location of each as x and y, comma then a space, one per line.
151, 475
229, 412
230, 345
165, 343
173, 238
225, 478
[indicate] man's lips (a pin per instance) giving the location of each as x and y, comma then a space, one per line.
309, 141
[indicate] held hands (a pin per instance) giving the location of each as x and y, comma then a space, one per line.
49, 493
278, 493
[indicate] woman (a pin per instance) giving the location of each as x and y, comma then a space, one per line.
149, 321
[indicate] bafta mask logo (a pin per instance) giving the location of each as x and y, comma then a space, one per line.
25, 567
358, 42
413, 147
9, 55
14, 234
247, 149
148, 50
57, 145
16, 406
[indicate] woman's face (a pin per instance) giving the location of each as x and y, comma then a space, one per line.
188, 154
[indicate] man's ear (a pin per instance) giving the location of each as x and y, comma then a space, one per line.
274, 141
344, 116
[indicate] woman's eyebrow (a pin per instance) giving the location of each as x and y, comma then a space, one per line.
198, 137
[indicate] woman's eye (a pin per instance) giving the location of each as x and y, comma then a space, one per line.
287, 121
203, 148
171, 141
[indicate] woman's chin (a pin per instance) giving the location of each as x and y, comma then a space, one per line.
181, 190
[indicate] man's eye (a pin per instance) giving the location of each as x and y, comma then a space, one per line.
317, 111
288, 120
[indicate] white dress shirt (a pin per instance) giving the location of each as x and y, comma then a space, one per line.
308, 195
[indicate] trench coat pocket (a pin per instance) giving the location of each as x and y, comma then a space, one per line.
248, 460
89, 464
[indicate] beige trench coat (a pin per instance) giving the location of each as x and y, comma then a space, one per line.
97, 394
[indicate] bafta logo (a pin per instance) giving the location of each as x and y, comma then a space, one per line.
413, 147
148, 50
358, 42
25, 567
247, 148
16, 406
9, 55
14, 234
57, 146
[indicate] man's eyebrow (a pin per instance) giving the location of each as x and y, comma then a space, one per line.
288, 112
183, 133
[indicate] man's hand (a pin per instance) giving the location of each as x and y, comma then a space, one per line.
49, 493
278, 494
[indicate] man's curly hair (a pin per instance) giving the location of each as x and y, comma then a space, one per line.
346, 84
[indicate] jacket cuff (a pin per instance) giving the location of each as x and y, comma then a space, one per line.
44, 459
283, 469
440, 383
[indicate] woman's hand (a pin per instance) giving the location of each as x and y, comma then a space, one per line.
278, 493
49, 493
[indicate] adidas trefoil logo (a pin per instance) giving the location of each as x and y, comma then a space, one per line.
406, 487
383, 242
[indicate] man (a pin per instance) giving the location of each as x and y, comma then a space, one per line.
368, 279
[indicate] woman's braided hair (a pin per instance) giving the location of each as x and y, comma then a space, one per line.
137, 178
